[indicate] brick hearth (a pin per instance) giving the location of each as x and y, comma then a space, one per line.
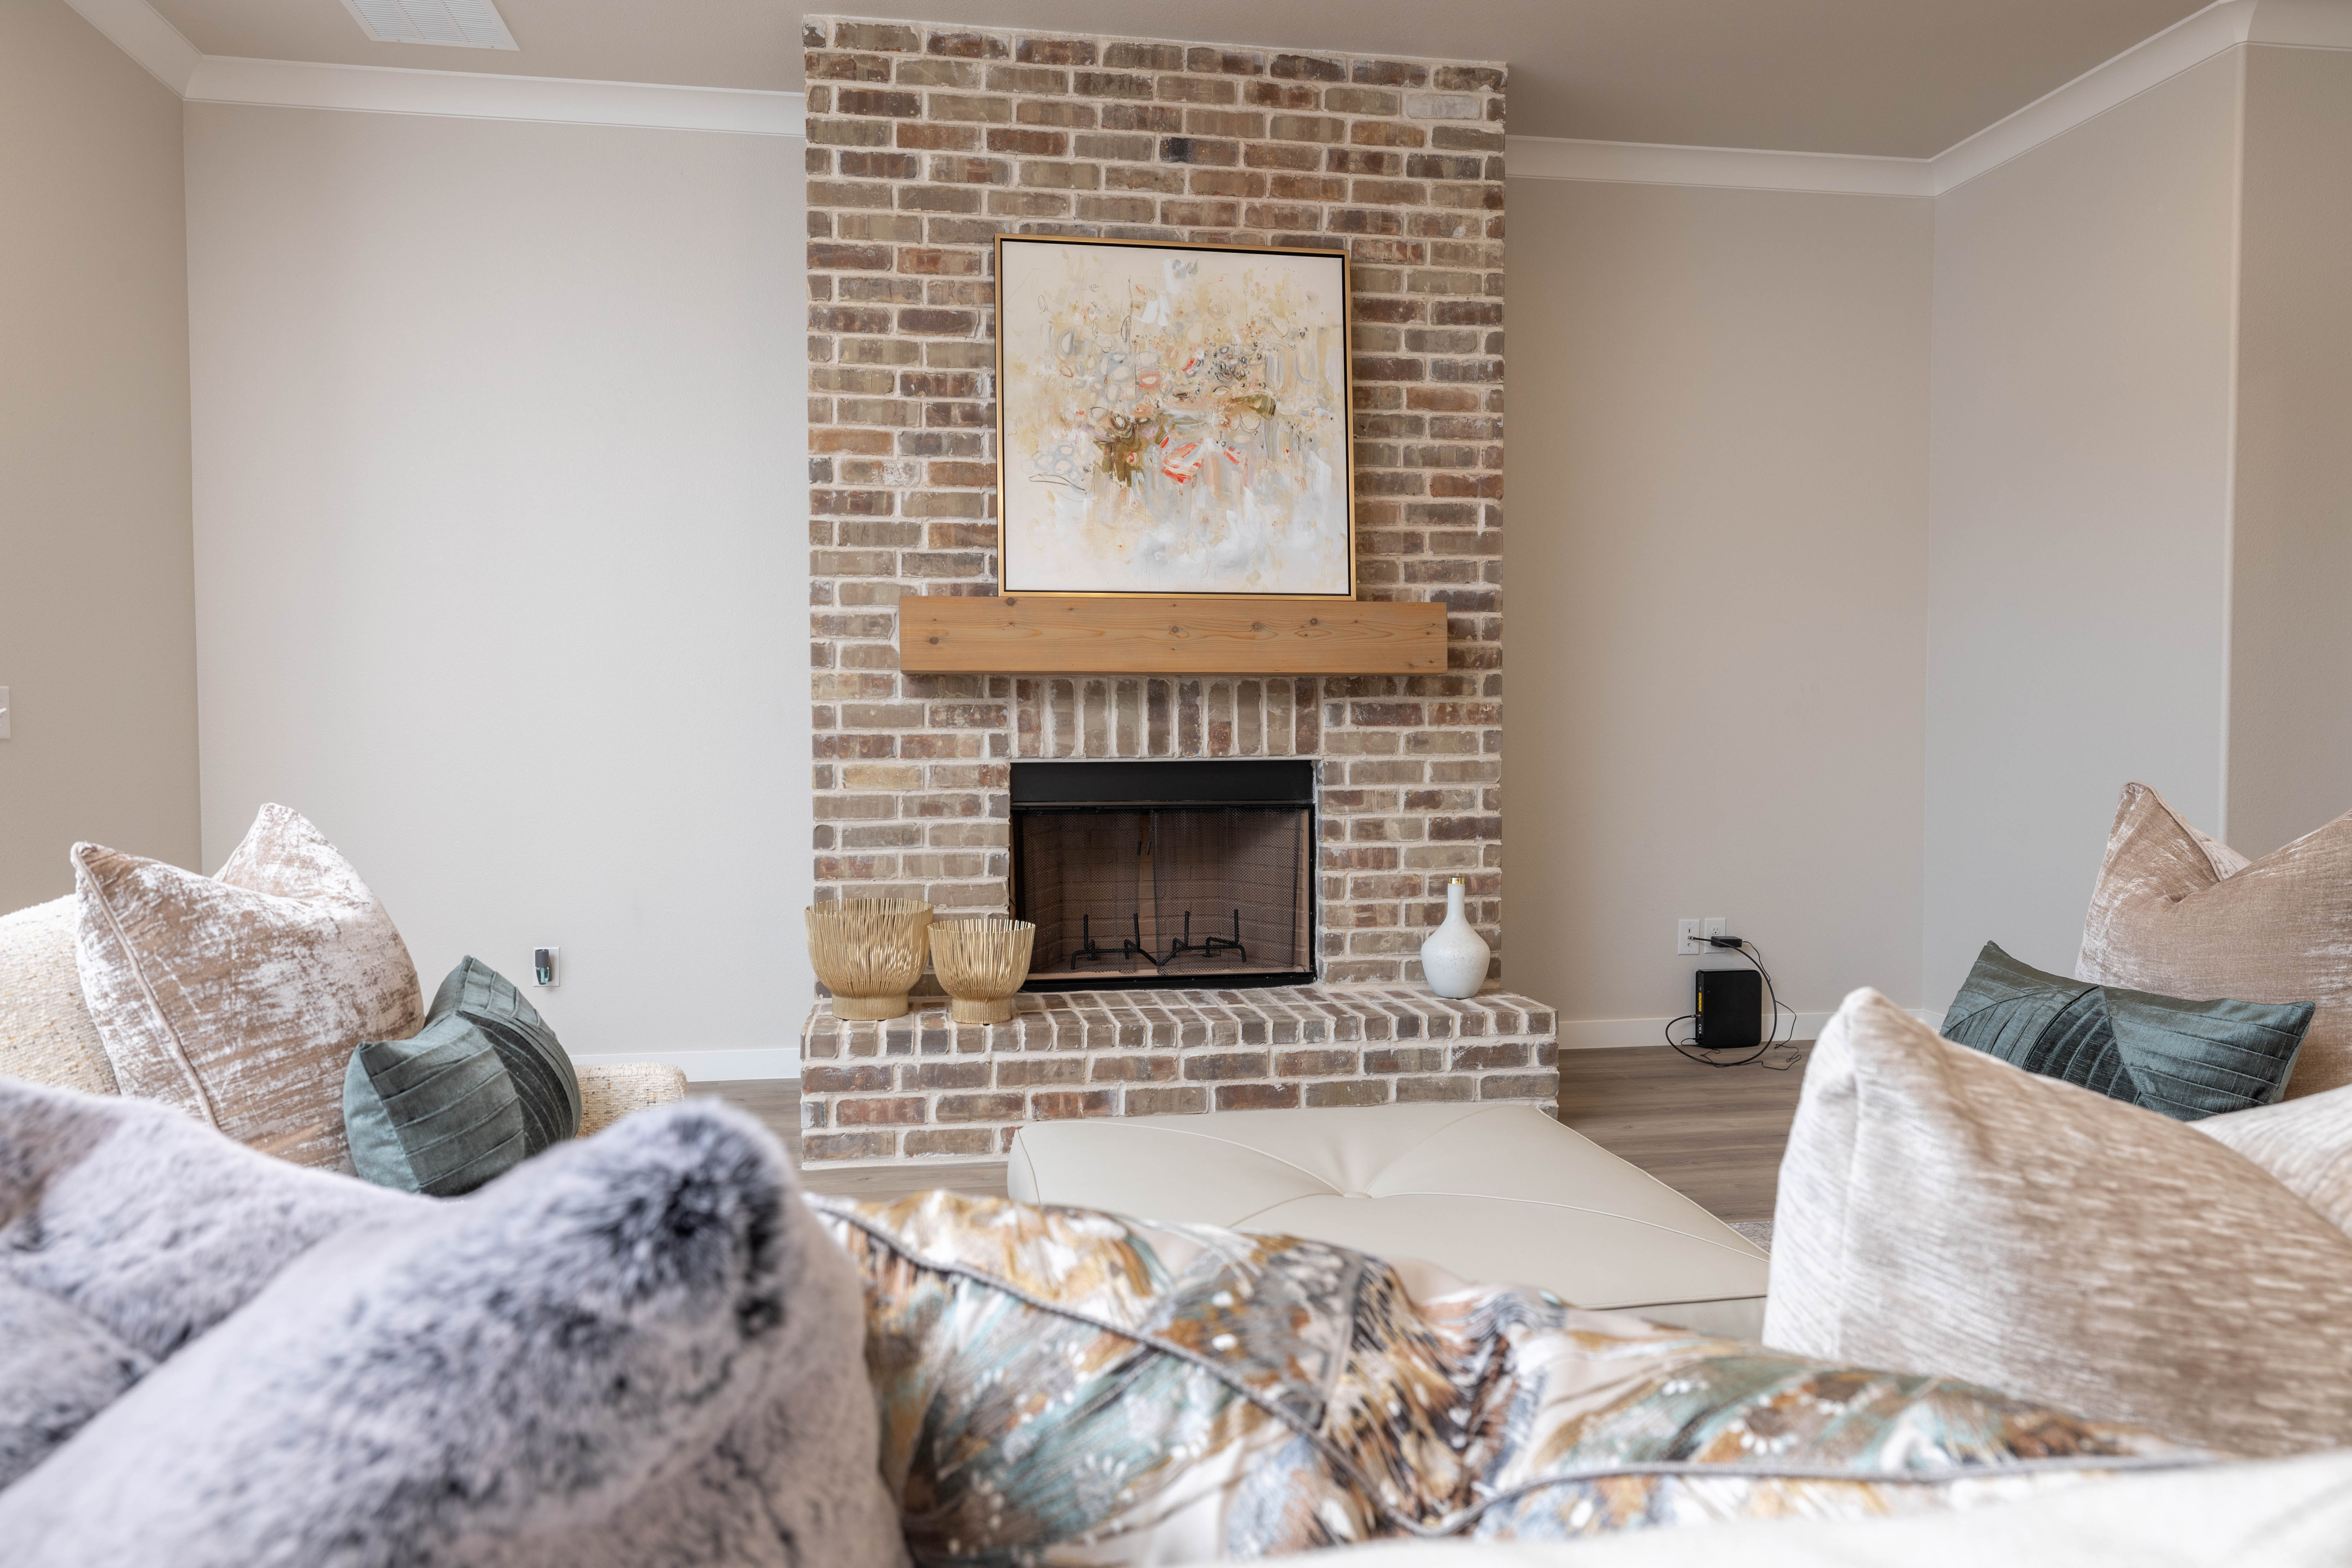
922, 1085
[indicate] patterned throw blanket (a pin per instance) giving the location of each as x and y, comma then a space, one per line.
1069, 1387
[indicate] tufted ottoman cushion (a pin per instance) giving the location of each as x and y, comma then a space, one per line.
1494, 1194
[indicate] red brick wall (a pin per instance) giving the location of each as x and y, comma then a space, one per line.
924, 144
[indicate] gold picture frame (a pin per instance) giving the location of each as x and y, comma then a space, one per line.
1121, 522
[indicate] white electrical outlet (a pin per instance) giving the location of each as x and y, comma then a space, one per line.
1690, 936
4, 712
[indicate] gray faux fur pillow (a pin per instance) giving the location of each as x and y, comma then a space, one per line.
127, 1229
639, 1349
58, 1369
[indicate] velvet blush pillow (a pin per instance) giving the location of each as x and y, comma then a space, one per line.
238, 998
2185, 1059
2306, 1143
1941, 1211
2178, 913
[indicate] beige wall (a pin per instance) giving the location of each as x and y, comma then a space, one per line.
2290, 732
97, 634
500, 543
2079, 506
1716, 564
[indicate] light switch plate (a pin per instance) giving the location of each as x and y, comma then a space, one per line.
4, 712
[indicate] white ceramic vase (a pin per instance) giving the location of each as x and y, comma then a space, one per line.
1453, 958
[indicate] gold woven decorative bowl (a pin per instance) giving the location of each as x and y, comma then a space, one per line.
869, 952
982, 963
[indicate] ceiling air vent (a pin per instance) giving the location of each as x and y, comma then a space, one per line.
466, 23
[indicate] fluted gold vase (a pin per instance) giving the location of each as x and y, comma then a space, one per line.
869, 952
982, 963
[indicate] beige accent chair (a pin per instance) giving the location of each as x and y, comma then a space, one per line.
46, 1036
1499, 1194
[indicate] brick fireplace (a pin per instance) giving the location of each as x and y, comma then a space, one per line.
924, 142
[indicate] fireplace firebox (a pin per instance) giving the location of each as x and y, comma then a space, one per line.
1159, 873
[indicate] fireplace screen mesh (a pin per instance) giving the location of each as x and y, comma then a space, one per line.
1166, 892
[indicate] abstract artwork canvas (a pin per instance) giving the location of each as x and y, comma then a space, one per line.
1173, 419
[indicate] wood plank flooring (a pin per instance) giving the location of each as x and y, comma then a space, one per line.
1713, 1133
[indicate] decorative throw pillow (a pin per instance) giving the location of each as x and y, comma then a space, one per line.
238, 998
1077, 1388
45, 1034
1942, 1211
483, 1087
2181, 914
2306, 1143
127, 1231
640, 1348
2186, 1059
58, 1368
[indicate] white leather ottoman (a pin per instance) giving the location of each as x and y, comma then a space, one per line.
1499, 1194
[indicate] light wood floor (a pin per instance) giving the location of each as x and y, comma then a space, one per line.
1713, 1133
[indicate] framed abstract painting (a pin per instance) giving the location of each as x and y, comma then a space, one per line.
1173, 419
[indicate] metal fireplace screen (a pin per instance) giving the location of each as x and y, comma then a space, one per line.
1166, 873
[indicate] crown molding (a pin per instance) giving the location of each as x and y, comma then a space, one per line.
1729, 168
481, 95
139, 31
136, 28
2206, 35
2187, 44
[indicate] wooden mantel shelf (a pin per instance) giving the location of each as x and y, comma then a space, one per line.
1025, 634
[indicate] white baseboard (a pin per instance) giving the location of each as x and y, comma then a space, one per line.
713, 1066
1611, 1034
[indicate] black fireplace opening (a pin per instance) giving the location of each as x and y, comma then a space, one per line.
1166, 873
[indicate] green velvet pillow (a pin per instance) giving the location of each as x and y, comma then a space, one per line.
2187, 1060
481, 1087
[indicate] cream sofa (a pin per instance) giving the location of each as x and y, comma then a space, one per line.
1498, 1194
46, 1036
2287, 1513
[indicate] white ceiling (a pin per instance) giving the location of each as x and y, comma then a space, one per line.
1894, 78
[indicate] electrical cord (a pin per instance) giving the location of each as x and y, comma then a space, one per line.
1691, 1048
